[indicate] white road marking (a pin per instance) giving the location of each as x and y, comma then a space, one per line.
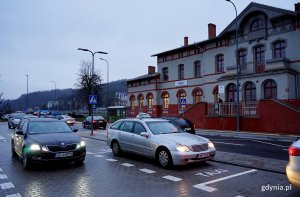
2, 138
0, 169
112, 160
98, 156
127, 164
229, 143
147, 170
203, 186
7, 185
239, 196
3, 176
270, 143
14, 195
172, 178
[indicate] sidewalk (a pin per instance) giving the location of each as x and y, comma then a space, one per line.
272, 165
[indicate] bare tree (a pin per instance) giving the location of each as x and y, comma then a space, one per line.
86, 80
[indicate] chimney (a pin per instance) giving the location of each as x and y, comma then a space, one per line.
211, 30
151, 69
186, 41
297, 8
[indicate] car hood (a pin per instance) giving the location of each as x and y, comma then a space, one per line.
183, 138
55, 138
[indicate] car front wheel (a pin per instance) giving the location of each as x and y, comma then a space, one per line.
25, 161
13, 152
164, 158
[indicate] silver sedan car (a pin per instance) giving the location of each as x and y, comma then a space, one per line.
158, 139
293, 166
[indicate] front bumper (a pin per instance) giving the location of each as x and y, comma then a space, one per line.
182, 158
43, 157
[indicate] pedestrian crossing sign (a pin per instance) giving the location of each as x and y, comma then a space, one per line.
182, 101
92, 99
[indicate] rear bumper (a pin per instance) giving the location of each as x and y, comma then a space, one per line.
293, 174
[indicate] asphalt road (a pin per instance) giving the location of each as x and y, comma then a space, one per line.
105, 175
253, 147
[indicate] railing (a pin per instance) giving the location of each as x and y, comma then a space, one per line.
230, 108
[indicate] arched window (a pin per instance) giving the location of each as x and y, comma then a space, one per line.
270, 89
197, 95
197, 69
249, 92
230, 92
220, 63
257, 24
181, 99
150, 101
132, 99
279, 49
165, 97
140, 101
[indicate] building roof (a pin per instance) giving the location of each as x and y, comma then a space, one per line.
143, 77
273, 13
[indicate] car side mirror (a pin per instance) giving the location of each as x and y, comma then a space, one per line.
144, 134
75, 130
19, 132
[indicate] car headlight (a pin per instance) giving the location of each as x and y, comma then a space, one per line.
211, 145
81, 144
35, 147
44, 148
182, 148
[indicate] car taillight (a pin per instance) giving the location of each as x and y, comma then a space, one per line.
94, 121
293, 151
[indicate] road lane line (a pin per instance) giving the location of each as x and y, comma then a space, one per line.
127, 164
270, 143
14, 195
7, 185
112, 160
2, 138
204, 187
3, 176
98, 156
228, 143
172, 178
147, 170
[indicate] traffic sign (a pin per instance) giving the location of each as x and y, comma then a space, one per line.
183, 101
92, 99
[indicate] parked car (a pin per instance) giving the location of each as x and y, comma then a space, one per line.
184, 123
98, 122
5, 117
39, 140
158, 139
14, 120
143, 115
68, 119
293, 166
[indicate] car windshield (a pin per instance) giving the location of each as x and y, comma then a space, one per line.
163, 127
48, 127
17, 116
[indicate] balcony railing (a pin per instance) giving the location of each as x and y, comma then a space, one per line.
230, 109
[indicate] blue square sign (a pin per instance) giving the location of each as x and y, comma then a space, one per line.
92, 99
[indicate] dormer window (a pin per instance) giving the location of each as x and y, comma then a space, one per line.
257, 24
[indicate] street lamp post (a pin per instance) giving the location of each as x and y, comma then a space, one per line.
237, 71
93, 54
107, 80
54, 92
27, 105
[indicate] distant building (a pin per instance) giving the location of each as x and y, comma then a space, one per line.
268, 55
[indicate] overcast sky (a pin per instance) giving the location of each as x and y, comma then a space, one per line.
40, 38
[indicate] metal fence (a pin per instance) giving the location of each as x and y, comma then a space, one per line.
230, 108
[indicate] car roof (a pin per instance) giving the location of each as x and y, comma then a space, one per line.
43, 120
147, 119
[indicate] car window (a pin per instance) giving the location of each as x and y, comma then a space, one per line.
19, 127
24, 126
163, 127
138, 128
127, 126
117, 125
48, 127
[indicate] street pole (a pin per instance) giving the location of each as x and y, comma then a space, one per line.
107, 81
54, 91
93, 59
27, 105
237, 71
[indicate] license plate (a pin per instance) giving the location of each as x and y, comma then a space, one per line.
202, 155
67, 154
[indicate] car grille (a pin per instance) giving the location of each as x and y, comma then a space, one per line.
57, 148
200, 147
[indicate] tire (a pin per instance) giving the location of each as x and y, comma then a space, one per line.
116, 149
164, 158
8, 126
13, 152
83, 125
26, 161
